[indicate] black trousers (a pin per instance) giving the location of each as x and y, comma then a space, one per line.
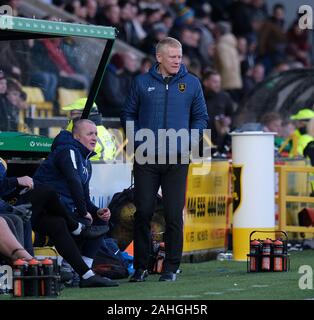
50, 218
147, 180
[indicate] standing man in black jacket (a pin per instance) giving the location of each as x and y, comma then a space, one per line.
165, 102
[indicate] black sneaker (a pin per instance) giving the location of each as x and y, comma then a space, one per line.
97, 281
93, 232
168, 276
139, 276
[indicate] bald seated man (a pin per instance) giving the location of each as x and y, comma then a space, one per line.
68, 170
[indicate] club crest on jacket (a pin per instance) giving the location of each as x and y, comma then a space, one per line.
182, 87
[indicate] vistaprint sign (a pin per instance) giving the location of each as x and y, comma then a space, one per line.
169, 146
6, 21
306, 20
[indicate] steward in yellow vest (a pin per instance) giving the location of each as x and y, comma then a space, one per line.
305, 147
301, 136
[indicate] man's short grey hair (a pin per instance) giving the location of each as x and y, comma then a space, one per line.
77, 124
168, 41
224, 27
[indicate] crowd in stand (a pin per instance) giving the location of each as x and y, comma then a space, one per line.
236, 44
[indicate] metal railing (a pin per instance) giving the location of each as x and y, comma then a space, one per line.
283, 198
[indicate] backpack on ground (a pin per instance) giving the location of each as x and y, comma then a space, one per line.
109, 261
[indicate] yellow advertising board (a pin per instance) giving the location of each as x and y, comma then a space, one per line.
208, 206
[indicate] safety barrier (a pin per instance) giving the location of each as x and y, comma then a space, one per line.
207, 214
283, 198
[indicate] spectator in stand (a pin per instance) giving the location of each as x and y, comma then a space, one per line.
227, 60
17, 98
91, 11
109, 15
205, 26
184, 14
278, 16
219, 109
168, 20
251, 57
259, 7
220, 10
131, 67
8, 119
280, 66
240, 17
75, 7
195, 68
49, 56
9, 62
159, 32
16, 95
131, 30
242, 47
70, 48
113, 88
63, 68
271, 122
299, 44
153, 16
146, 63
190, 38
252, 78
271, 41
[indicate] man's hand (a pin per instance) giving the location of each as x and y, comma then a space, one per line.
26, 181
23, 210
89, 217
104, 214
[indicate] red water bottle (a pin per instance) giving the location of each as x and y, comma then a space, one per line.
32, 284
278, 255
255, 247
266, 252
47, 286
19, 267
